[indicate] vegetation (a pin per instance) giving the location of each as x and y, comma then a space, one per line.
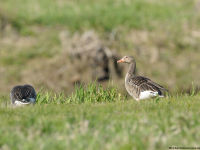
114, 123
103, 14
90, 93
163, 36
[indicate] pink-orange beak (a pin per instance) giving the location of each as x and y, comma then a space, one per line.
121, 60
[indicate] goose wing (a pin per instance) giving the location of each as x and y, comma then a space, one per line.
136, 85
28, 92
23, 93
16, 94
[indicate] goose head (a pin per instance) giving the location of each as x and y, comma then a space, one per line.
126, 59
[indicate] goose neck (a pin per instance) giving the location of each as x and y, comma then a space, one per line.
131, 71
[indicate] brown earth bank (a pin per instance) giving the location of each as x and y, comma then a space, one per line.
57, 58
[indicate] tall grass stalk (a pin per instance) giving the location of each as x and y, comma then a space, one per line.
89, 93
93, 93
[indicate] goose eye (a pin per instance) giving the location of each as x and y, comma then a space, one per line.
126, 57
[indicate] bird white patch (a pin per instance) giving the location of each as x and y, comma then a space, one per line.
32, 100
148, 94
21, 103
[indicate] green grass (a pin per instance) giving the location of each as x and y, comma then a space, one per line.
90, 93
103, 14
60, 122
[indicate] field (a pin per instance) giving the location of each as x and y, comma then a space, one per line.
36, 36
36, 41
121, 125
101, 120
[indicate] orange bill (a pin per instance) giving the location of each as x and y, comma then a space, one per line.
121, 61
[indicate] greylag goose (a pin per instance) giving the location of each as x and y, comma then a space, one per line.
139, 87
22, 95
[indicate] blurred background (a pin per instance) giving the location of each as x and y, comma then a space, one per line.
58, 43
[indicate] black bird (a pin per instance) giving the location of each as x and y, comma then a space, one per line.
22, 95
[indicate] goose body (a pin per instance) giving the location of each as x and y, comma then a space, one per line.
139, 87
22, 95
